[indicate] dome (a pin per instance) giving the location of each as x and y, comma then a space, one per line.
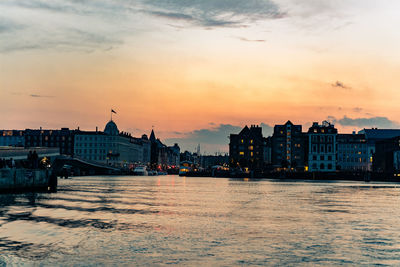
111, 128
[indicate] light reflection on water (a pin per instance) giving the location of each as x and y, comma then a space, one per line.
202, 221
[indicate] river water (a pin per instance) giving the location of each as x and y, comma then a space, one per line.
164, 220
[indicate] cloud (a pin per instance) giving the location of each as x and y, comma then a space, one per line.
66, 25
172, 15
211, 13
267, 130
380, 122
213, 139
249, 40
39, 96
339, 84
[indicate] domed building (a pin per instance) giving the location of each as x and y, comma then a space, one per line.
111, 128
111, 146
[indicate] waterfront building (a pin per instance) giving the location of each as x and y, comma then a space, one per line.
209, 161
288, 147
62, 139
268, 150
12, 138
322, 147
374, 135
145, 142
173, 155
352, 152
111, 146
163, 156
387, 155
246, 149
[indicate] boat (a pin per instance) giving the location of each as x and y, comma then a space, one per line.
152, 173
183, 170
140, 171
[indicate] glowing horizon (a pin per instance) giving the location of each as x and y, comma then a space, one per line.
187, 66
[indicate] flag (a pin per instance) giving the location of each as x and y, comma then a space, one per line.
113, 111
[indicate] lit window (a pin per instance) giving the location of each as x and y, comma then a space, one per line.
242, 141
250, 147
241, 153
251, 141
251, 154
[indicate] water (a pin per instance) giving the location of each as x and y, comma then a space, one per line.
202, 221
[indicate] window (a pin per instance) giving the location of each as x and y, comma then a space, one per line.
242, 141
241, 153
329, 148
329, 166
329, 157
322, 158
314, 157
322, 166
250, 147
251, 154
251, 141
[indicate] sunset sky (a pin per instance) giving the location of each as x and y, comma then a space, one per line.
198, 70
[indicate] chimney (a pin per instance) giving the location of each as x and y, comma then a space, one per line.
97, 129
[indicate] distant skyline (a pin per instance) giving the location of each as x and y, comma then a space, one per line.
199, 69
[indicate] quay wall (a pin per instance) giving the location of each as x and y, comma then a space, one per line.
24, 180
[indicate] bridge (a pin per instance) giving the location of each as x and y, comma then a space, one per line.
59, 162
81, 166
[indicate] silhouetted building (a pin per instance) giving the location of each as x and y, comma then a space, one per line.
246, 149
268, 150
352, 152
374, 135
63, 139
322, 147
288, 147
12, 138
387, 155
208, 161
162, 155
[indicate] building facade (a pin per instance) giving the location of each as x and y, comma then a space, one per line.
352, 152
162, 156
63, 139
111, 146
246, 149
12, 138
288, 147
387, 155
209, 161
373, 136
322, 147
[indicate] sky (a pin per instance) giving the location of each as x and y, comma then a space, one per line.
198, 70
